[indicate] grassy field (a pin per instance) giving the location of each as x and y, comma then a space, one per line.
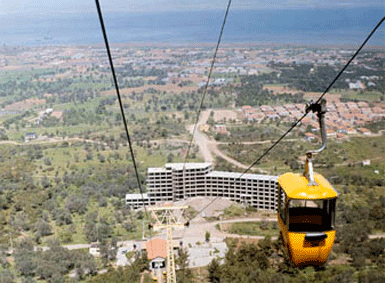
344, 155
263, 228
369, 96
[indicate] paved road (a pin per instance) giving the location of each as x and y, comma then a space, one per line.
258, 142
201, 139
213, 147
208, 146
121, 259
193, 238
198, 228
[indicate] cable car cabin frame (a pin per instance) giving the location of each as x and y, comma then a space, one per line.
306, 208
306, 217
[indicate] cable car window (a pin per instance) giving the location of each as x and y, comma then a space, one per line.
306, 203
311, 215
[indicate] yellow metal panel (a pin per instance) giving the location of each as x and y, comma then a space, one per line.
283, 229
305, 252
296, 187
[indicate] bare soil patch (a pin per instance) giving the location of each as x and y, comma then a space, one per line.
280, 89
308, 95
213, 206
220, 115
26, 104
174, 88
329, 97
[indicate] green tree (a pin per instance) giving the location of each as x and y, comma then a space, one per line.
25, 258
90, 231
184, 274
214, 270
6, 276
43, 229
108, 250
62, 216
207, 236
76, 203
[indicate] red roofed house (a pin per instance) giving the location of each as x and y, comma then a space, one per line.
331, 133
310, 137
157, 253
351, 131
365, 131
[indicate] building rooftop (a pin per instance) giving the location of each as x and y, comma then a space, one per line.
244, 176
156, 248
179, 166
156, 169
136, 196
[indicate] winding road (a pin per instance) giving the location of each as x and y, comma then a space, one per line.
208, 146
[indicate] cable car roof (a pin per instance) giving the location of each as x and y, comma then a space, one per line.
296, 187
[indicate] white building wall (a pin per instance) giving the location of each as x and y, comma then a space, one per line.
178, 181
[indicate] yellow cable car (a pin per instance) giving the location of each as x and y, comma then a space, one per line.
155, 280
306, 211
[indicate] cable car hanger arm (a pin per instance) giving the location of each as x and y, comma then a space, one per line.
320, 110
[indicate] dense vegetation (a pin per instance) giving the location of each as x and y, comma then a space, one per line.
309, 77
356, 260
53, 264
68, 187
267, 261
251, 92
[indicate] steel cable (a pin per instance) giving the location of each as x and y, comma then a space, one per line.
305, 114
100, 14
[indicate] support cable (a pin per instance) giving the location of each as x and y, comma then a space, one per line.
207, 83
318, 100
308, 109
351, 59
187, 224
121, 104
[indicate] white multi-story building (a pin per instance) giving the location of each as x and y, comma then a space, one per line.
137, 200
177, 181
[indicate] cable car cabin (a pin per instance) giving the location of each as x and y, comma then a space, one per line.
306, 213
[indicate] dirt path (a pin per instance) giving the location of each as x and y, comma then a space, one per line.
208, 147
197, 230
201, 139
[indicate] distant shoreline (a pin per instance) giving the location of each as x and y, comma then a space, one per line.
324, 28
205, 45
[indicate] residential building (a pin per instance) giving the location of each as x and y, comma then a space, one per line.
95, 249
30, 136
137, 200
177, 181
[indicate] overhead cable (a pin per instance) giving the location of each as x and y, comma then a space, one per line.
318, 100
120, 102
304, 115
207, 83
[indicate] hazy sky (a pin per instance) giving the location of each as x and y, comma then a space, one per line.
34, 7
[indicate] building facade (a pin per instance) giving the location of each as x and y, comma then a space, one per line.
137, 200
178, 181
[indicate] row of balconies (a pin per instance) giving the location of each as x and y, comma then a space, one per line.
232, 180
238, 192
269, 204
161, 195
264, 183
194, 173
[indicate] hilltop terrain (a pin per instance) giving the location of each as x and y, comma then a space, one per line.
66, 168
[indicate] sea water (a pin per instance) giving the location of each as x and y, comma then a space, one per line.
284, 26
